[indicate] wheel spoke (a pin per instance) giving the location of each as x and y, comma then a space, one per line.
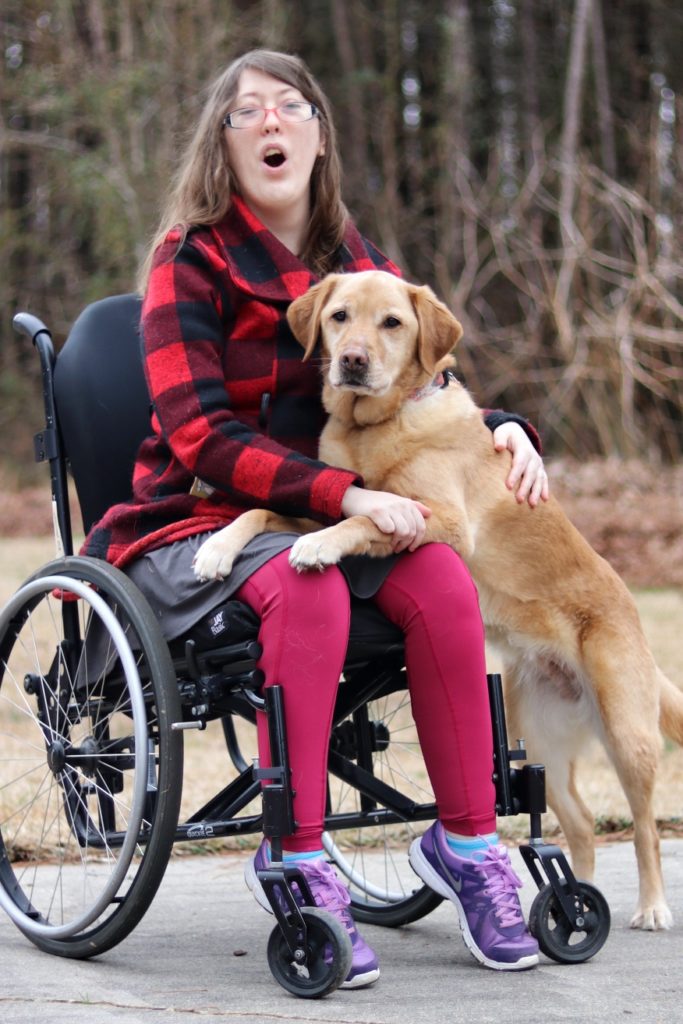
373, 860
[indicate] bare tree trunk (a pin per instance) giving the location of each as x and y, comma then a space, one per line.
605, 119
531, 84
454, 142
568, 172
389, 200
608, 149
274, 23
356, 151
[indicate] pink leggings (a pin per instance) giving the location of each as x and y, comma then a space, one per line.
430, 595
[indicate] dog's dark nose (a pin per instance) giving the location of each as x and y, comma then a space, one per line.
354, 359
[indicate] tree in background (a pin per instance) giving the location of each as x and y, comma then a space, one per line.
521, 156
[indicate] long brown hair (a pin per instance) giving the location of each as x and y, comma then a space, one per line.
204, 184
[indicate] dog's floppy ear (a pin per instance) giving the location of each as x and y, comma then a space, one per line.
303, 314
439, 331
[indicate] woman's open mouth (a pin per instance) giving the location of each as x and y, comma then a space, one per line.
274, 157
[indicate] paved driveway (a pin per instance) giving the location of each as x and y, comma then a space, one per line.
199, 955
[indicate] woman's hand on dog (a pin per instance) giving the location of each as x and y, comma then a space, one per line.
527, 476
402, 518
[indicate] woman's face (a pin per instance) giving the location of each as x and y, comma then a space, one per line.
273, 162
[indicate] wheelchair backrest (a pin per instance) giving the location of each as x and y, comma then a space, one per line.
103, 406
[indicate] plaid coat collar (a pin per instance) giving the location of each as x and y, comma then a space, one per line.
262, 267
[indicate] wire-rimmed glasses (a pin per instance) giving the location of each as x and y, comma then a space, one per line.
293, 112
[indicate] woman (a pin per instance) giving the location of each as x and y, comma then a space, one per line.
255, 219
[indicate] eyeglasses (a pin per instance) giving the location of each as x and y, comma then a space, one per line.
294, 112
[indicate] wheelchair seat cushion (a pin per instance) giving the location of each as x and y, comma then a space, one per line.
232, 622
371, 635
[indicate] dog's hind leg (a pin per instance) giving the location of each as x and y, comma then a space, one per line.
626, 691
635, 759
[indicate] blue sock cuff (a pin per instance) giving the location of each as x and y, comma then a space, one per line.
288, 858
467, 846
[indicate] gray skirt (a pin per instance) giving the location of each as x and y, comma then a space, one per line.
179, 600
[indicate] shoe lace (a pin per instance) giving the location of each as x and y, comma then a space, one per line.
328, 892
502, 883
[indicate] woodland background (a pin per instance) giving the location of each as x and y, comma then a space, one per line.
521, 156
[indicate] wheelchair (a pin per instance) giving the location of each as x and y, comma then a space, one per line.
95, 706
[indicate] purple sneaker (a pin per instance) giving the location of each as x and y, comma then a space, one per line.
329, 894
484, 893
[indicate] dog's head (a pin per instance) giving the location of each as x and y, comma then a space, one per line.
376, 330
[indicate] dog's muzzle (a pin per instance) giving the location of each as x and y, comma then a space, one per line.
353, 377
353, 368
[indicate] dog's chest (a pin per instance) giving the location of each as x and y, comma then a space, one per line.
424, 439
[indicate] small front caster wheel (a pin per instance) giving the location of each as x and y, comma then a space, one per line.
570, 942
327, 952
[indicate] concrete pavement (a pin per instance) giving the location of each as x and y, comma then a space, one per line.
199, 955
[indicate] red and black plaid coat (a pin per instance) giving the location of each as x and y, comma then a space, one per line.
234, 404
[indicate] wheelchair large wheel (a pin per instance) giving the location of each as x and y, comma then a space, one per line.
381, 737
90, 771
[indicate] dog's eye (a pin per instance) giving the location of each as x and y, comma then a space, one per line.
391, 322
339, 316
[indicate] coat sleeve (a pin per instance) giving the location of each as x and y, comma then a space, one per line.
496, 417
183, 339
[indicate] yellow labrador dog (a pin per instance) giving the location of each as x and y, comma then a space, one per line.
576, 662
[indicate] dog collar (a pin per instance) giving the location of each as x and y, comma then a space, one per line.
439, 382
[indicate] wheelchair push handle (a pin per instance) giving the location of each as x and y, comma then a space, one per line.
35, 329
30, 325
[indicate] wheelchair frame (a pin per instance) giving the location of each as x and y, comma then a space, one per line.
165, 690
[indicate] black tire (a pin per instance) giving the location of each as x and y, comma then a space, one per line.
373, 859
328, 954
84, 813
566, 941
412, 907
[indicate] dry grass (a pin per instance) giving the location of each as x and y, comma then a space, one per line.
207, 767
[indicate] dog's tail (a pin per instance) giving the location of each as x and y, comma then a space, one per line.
670, 708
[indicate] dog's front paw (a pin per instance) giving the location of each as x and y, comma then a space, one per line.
314, 551
214, 559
